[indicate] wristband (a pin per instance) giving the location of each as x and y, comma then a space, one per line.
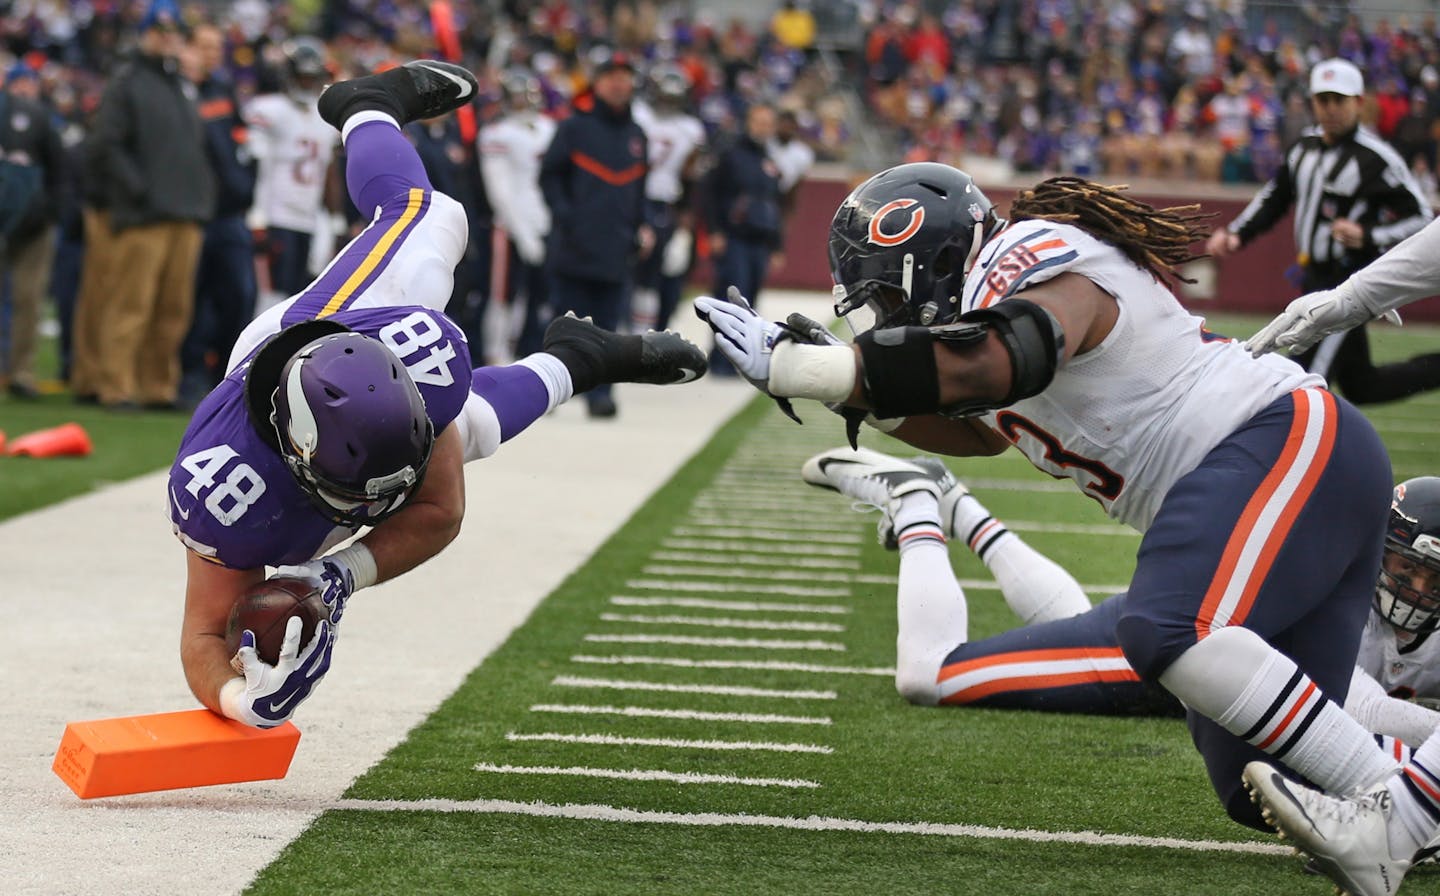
821, 372
231, 700
359, 561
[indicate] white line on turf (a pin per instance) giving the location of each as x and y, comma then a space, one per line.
789, 536
591, 812
610, 740
795, 524
703, 603
981, 584
761, 665
640, 774
693, 641
779, 575
729, 560
682, 585
722, 622
749, 547
749, 718
575, 681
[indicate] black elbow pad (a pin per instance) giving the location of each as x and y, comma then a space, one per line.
1033, 339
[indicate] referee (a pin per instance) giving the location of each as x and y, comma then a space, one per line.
1354, 197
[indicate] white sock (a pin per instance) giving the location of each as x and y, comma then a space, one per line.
929, 605
1036, 588
359, 118
1258, 694
555, 375
1415, 796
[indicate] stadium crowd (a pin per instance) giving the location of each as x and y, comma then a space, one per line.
1185, 90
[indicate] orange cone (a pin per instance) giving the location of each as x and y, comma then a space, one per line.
66, 440
2, 440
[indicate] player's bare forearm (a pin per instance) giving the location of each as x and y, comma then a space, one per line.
210, 592
957, 437
430, 521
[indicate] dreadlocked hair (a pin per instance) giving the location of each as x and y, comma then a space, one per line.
1156, 239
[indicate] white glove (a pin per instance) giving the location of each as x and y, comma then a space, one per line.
745, 337
268, 695
1309, 319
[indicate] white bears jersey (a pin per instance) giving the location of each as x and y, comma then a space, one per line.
673, 139
793, 159
510, 152
294, 147
1403, 675
1128, 418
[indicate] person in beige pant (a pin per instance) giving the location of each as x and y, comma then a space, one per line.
90, 304
147, 312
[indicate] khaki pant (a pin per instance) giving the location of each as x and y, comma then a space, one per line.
152, 295
29, 264
91, 301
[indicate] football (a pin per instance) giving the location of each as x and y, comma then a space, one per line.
266, 607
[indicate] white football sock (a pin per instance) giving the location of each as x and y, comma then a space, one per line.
1415, 795
929, 604
1258, 694
1036, 588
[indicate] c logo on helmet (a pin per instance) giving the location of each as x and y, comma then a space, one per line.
881, 238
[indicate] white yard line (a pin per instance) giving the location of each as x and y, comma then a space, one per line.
721, 546
646, 712
639, 774
742, 643
792, 625
590, 812
757, 665
701, 603
774, 575
611, 684
721, 587
729, 560
789, 536
613, 740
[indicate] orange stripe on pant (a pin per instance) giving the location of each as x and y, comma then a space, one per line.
1036, 682
1059, 654
1308, 404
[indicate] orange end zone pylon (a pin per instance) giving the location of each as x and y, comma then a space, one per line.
169, 750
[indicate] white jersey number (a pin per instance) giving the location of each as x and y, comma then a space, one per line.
241, 488
412, 334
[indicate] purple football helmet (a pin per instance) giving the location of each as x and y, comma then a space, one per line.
352, 427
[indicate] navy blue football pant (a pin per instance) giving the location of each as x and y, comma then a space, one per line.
289, 255
601, 300
224, 301
1279, 529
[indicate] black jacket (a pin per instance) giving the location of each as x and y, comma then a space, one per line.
742, 194
150, 147
593, 177
29, 136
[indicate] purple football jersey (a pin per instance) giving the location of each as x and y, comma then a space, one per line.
232, 498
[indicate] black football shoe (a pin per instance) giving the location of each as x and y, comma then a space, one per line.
594, 355
414, 91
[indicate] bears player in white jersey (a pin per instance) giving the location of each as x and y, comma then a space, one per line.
677, 142
353, 405
1262, 498
510, 153
295, 148
1067, 657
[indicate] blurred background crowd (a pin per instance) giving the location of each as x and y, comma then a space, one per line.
153, 265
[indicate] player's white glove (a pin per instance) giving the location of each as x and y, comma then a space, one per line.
1311, 318
745, 337
331, 575
268, 695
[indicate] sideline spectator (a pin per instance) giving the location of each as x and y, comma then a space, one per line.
151, 148
30, 143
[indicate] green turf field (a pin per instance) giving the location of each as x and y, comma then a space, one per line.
707, 707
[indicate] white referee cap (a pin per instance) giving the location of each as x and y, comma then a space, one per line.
1337, 76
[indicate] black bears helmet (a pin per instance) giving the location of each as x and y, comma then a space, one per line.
1412, 552
904, 240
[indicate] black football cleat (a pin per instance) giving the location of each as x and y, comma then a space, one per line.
414, 91
594, 355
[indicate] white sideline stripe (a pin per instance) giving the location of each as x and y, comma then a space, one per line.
683, 585
797, 523
723, 622
754, 560
610, 740
592, 812
750, 548
692, 641
703, 603
575, 681
640, 774
983, 584
750, 718
779, 575
759, 665
789, 536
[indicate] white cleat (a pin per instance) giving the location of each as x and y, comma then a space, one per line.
1345, 836
877, 479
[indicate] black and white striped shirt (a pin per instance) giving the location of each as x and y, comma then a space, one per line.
1359, 177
